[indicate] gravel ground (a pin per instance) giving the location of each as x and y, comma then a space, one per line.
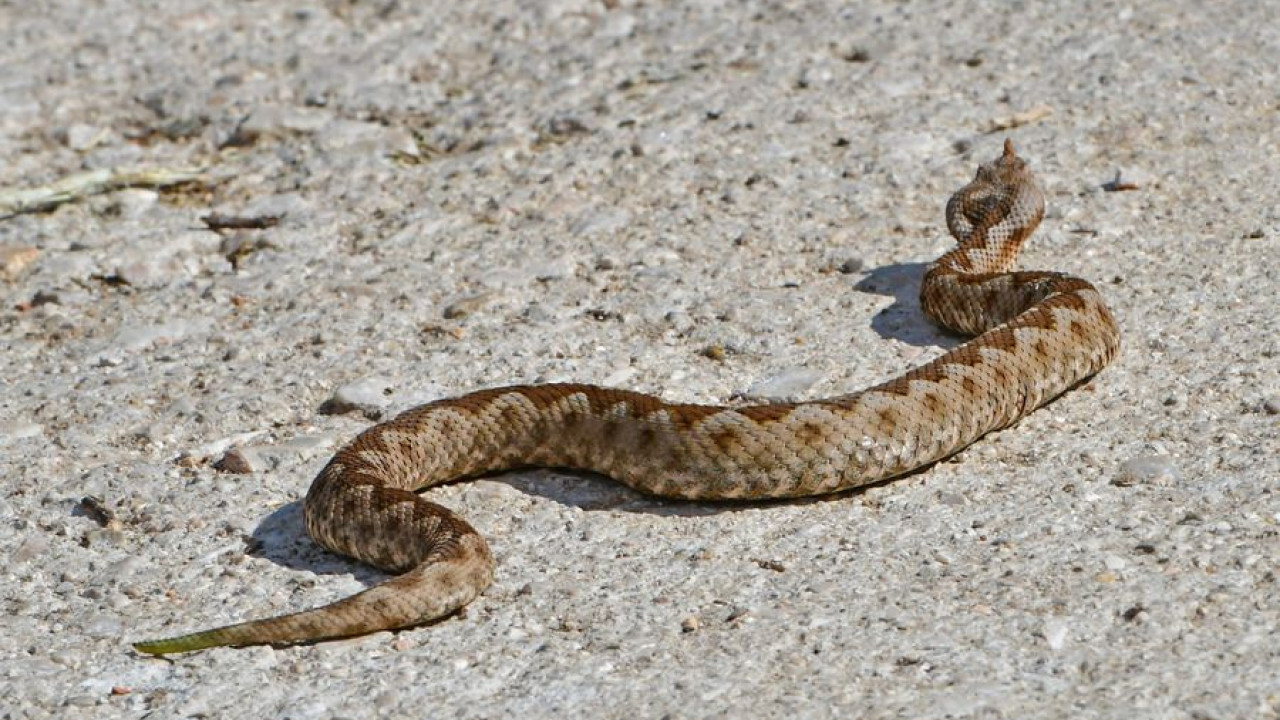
701, 201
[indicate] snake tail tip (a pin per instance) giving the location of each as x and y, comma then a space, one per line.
180, 644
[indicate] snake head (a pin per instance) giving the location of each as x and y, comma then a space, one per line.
1004, 193
1006, 170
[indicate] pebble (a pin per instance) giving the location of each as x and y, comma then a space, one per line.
281, 119
305, 445
197, 456
19, 430
82, 137
849, 266
1146, 469
1271, 405
680, 321
137, 337
370, 396
16, 258
466, 306
149, 272
133, 203
783, 386
247, 459
1055, 633
1114, 562
365, 138
239, 461
109, 537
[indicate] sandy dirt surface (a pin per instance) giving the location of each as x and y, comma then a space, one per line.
697, 200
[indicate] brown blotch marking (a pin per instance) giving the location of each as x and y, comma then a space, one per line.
370, 439
931, 402
1030, 277
766, 413
640, 405
978, 278
982, 209
991, 297
477, 401
544, 396
810, 432
1040, 348
897, 386
888, 418
609, 432
1038, 317
1000, 339
936, 371
673, 463
510, 415
933, 372
352, 456
1070, 301
601, 400
725, 438
991, 210
684, 417
1070, 287
358, 477
1077, 329
968, 385
647, 437
447, 425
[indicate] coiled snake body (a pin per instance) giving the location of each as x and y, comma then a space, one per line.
1038, 334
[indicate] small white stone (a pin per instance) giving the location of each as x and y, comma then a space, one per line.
786, 385
371, 396
82, 137
19, 430
137, 337
1055, 633
1146, 469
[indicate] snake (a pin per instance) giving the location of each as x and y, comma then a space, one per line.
1036, 334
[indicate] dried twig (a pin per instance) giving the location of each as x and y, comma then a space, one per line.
218, 221
1026, 117
74, 187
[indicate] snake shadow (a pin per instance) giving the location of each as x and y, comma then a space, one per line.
904, 320
281, 537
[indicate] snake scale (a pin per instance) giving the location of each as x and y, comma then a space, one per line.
1037, 335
